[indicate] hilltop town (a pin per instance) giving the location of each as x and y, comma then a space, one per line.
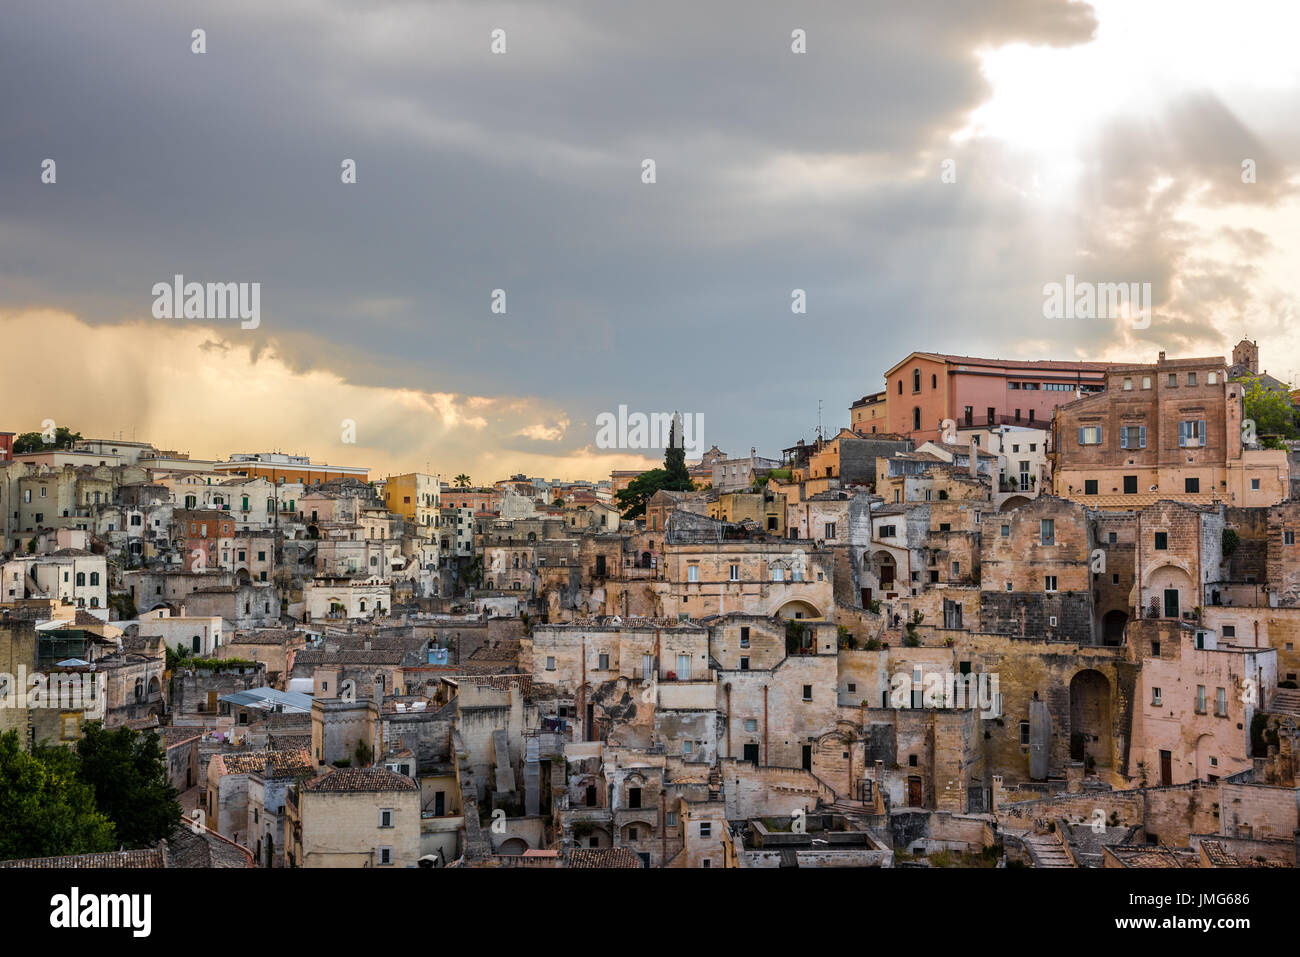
1012, 614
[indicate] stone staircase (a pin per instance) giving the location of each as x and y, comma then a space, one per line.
1045, 850
1286, 701
715, 783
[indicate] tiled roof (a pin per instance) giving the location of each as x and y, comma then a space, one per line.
361, 779
283, 763
604, 857
146, 858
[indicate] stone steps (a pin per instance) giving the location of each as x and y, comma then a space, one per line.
1286, 701
1046, 851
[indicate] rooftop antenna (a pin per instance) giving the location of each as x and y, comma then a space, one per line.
819, 418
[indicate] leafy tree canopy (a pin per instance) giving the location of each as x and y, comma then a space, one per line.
45, 811
35, 441
1270, 409
128, 772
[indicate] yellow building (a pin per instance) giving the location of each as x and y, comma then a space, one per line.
416, 497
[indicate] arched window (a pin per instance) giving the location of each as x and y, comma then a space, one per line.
934, 381
94, 601
363, 604
94, 578
916, 380
139, 688
900, 386
81, 579
197, 644
916, 417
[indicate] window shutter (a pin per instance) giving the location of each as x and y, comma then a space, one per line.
1182, 434
1204, 434
1081, 436
1142, 436
1123, 437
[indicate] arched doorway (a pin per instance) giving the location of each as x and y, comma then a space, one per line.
1169, 592
1090, 719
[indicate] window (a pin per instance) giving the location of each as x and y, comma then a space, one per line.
744, 664
887, 531
634, 797
706, 829
1006, 531
1047, 531
751, 724
916, 380
1191, 434
744, 636
1128, 385
1254, 485
1130, 484
1155, 697
1212, 378
1089, 486
1008, 586
1191, 378
1200, 699
1049, 583
830, 530
778, 573
1173, 380
604, 662
1221, 702
1155, 649
1133, 437
550, 663
386, 817
1229, 631
733, 573
1090, 435
1191, 485
670, 819
1288, 538
1024, 733
692, 573
683, 667
807, 692
916, 418
385, 855
1146, 382
1162, 541
1114, 579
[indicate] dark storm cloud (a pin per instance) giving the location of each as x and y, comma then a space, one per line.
522, 172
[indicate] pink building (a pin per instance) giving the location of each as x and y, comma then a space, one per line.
928, 387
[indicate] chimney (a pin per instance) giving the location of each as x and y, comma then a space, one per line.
1162, 357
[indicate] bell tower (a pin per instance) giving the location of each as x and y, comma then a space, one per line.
1246, 353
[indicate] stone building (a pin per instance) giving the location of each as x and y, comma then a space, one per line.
1172, 429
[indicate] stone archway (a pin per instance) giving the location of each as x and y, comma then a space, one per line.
512, 847
798, 608
1091, 735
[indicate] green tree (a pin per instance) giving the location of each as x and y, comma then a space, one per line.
1271, 410
673, 477
44, 810
678, 478
363, 755
35, 441
632, 500
128, 772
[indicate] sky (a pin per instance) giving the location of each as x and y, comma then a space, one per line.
920, 172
